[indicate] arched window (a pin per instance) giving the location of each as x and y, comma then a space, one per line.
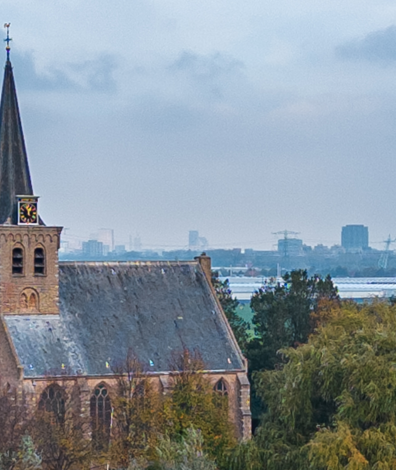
221, 388
29, 301
39, 262
100, 417
23, 303
140, 389
52, 401
17, 261
33, 301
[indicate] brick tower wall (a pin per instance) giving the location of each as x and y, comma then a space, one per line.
18, 291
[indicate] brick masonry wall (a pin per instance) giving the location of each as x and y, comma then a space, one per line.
84, 387
8, 364
45, 286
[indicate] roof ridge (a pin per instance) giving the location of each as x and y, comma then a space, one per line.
129, 262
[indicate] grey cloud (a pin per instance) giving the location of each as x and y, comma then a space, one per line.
209, 77
29, 79
91, 75
378, 46
206, 66
98, 73
161, 116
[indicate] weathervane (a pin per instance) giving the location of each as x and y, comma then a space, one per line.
7, 26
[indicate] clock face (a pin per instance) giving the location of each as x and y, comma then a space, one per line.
28, 213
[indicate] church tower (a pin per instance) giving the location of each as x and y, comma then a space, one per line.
28, 248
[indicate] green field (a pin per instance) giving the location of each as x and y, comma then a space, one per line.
245, 312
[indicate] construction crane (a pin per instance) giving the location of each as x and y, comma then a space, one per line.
285, 234
383, 261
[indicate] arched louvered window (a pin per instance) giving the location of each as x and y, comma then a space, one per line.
39, 262
52, 401
221, 388
33, 301
100, 417
17, 261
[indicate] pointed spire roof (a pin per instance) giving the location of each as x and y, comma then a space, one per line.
14, 168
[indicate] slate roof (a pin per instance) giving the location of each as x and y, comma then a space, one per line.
106, 309
14, 168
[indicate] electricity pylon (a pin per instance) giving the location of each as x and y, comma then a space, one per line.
383, 261
285, 234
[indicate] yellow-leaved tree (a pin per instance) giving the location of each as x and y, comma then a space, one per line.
333, 405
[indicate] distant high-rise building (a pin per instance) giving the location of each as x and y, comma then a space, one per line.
354, 237
92, 248
106, 236
137, 244
195, 242
193, 239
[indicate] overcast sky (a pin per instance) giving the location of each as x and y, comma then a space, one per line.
234, 118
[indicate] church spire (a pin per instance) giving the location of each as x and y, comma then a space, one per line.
14, 168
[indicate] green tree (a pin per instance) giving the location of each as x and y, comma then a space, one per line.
283, 315
193, 403
13, 427
333, 404
62, 440
138, 415
229, 305
184, 454
27, 456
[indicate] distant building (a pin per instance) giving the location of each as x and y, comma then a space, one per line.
290, 247
92, 248
119, 249
321, 249
193, 239
64, 246
354, 238
106, 236
137, 244
195, 242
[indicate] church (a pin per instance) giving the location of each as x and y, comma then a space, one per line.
65, 325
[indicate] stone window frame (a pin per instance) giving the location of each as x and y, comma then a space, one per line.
35, 265
100, 416
54, 402
27, 293
14, 266
221, 387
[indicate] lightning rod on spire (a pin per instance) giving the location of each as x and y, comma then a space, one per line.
8, 39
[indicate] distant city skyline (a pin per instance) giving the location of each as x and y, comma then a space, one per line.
236, 119
195, 242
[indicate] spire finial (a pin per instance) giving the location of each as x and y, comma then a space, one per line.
8, 39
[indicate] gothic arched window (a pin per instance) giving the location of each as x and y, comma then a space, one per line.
100, 417
39, 261
17, 260
221, 388
33, 301
52, 401
23, 302
29, 301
